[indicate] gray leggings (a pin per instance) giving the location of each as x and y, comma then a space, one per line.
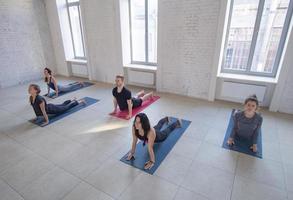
61, 108
162, 135
69, 88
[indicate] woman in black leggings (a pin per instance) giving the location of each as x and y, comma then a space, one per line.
142, 130
41, 107
52, 84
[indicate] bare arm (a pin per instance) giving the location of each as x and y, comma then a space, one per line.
48, 90
133, 146
43, 109
129, 103
55, 85
151, 141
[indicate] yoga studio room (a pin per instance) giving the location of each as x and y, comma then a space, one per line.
146, 100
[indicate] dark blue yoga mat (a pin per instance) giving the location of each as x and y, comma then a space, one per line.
242, 146
86, 84
161, 150
52, 118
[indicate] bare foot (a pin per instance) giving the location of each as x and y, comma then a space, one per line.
230, 142
140, 94
254, 148
152, 94
81, 83
82, 101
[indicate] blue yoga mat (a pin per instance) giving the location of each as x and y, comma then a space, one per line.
86, 84
52, 118
161, 150
242, 146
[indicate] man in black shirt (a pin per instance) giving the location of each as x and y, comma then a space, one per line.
122, 97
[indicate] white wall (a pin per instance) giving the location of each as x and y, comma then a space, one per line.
103, 38
53, 9
283, 97
190, 41
187, 33
25, 42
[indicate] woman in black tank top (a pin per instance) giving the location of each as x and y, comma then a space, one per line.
42, 109
143, 131
52, 84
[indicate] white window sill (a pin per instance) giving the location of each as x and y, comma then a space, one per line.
79, 61
248, 78
141, 67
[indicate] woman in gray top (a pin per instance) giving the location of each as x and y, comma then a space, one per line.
247, 123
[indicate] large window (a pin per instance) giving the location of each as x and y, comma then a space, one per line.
76, 28
143, 31
256, 35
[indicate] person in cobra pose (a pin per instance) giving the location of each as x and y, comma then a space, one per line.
41, 108
123, 99
247, 123
143, 131
52, 84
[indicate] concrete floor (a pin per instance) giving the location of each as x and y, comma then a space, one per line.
78, 157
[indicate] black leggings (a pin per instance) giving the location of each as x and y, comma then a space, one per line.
61, 108
162, 135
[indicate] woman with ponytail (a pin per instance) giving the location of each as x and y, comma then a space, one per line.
247, 123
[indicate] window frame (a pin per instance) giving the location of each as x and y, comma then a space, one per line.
257, 23
146, 62
77, 4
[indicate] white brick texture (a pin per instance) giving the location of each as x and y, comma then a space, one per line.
186, 48
25, 43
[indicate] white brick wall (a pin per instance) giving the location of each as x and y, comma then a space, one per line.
25, 43
186, 48
103, 38
285, 103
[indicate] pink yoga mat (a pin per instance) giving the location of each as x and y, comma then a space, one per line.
123, 114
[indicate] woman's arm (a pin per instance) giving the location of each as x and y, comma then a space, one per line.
256, 131
55, 85
133, 146
48, 90
151, 141
234, 129
43, 109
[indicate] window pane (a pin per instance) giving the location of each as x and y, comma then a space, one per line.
240, 34
76, 31
272, 22
72, 1
138, 30
152, 30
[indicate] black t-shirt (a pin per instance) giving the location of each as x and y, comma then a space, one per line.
122, 97
36, 104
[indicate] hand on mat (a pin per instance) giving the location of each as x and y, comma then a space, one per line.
114, 112
45, 123
128, 116
230, 142
254, 148
149, 165
34, 119
130, 156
